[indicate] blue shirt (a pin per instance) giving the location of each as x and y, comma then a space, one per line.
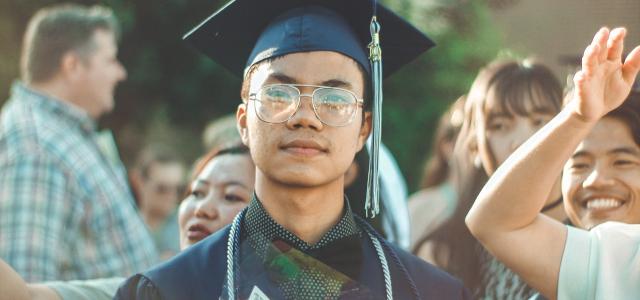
66, 210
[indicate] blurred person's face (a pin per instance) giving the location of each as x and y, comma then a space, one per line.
160, 189
500, 133
221, 190
96, 77
303, 151
601, 181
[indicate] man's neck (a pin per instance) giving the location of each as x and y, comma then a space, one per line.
52, 89
307, 212
153, 220
59, 91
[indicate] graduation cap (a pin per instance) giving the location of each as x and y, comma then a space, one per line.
245, 32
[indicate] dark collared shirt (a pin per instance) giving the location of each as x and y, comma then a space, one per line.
302, 270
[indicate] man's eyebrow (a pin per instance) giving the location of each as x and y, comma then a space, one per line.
282, 78
625, 150
238, 183
337, 83
580, 154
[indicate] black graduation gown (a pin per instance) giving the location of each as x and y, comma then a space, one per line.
199, 273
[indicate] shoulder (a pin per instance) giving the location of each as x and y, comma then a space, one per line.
27, 136
27, 127
610, 238
605, 257
625, 233
431, 282
197, 272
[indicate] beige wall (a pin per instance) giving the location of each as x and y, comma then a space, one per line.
553, 29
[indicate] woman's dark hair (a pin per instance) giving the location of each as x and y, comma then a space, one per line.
454, 248
213, 153
437, 170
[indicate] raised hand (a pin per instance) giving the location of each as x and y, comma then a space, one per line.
604, 81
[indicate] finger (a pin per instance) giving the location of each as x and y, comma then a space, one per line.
590, 59
579, 81
631, 66
615, 45
600, 39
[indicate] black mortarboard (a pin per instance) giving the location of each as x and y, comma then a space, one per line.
245, 32
230, 35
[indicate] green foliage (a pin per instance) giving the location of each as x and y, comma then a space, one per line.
416, 96
167, 77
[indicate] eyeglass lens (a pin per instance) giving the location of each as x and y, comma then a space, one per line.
277, 103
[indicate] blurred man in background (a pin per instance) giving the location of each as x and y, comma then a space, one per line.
158, 180
66, 209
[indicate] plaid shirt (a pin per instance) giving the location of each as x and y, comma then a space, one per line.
66, 210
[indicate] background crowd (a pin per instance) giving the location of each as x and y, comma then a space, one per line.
114, 195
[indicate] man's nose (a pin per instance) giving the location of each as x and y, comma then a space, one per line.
305, 116
598, 178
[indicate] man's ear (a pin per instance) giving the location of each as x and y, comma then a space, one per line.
365, 130
69, 64
241, 118
136, 181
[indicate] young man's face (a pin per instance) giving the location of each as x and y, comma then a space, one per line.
303, 151
601, 181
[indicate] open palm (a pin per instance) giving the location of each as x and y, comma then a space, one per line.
604, 81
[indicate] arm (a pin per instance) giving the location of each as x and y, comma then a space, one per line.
506, 215
11, 284
34, 204
13, 287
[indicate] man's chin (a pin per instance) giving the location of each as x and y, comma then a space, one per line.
300, 179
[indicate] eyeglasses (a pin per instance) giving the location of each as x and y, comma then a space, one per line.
277, 103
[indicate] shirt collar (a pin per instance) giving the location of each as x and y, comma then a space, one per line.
63, 109
258, 223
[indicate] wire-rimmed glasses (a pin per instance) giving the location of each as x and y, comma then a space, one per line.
277, 103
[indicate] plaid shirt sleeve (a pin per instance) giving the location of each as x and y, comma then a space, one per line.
34, 205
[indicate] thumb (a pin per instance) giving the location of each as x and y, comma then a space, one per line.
631, 65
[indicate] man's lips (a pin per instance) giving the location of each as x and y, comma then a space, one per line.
304, 147
198, 232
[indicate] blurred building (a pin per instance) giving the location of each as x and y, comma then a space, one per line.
557, 31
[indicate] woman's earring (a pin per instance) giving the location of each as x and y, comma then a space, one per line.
477, 162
